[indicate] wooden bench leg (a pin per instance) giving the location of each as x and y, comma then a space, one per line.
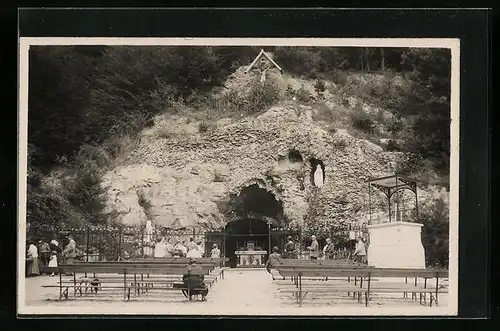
60, 286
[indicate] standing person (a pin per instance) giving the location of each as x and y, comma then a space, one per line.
54, 247
290, 252
360, 251
201, 247
215, 253
160, 248
192, 245
313, 249
53, 261
33, 269
329, 250
69, 252
183, 248
179, 248
169, 248
194, 252
44, 254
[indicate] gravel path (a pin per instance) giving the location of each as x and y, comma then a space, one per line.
240, 292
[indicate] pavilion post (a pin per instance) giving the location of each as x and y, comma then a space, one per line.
389, 201
224, 246
397, 201
370, 203
416, 202
88, 243
269, 237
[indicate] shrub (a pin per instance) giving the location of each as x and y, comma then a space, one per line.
360, 120
289, 92
392, 146
339, 77
303, 95
395, 126
261, 97
435, 233
320, 86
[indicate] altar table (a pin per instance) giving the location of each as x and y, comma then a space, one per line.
250, 258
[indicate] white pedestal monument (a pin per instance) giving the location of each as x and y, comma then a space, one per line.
396, 245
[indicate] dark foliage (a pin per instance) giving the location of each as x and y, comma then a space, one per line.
435, 234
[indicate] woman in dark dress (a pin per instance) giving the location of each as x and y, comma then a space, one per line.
290, 249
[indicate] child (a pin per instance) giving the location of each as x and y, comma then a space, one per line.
53, 261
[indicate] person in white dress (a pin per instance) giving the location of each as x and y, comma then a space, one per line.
160, 248
201, 247
215, 253
194, 251
53, 261
193, 254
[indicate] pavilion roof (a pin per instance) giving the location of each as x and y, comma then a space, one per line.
392, 181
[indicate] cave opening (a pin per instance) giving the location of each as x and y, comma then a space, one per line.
254, 213
318, 174
294, 156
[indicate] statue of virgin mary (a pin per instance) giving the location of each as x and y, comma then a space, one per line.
318, 176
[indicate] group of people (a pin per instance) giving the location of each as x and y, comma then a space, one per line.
328, 251
43, 254
315, 252
193, 249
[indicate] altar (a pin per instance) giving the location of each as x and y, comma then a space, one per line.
250, 258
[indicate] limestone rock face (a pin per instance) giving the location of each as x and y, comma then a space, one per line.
185, 178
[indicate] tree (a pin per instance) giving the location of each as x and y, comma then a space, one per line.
435, 233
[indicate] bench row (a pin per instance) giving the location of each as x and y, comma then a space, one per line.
363, 280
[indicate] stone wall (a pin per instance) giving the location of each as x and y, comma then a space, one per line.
188, 176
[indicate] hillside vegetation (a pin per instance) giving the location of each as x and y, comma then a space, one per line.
87, 105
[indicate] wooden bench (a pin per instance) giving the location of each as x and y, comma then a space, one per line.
365, 285
216, 263
125, 269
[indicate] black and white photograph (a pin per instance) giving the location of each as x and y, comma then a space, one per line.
238, 176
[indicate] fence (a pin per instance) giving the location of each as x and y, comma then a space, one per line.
111, 243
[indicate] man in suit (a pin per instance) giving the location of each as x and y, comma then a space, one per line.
43, 254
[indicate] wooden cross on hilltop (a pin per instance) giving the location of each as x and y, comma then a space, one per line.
259, 57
